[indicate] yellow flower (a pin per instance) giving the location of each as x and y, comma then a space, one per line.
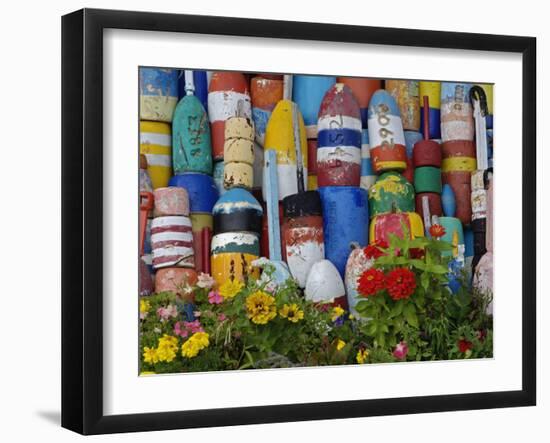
362, 355
340, 344
144, 306
351, 317
231, 288
337, 312
261, 307
195, 344
292, 313
150, 355
167, 348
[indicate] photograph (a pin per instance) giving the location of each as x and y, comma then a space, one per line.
293, 220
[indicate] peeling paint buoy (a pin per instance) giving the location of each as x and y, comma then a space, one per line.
368, 177
391, 192
386, 136
158, 94
302, 232
339, 138
238, 153
155, 142
381, 226
456, 112
280, 136
406, 93
172, 242
191, 143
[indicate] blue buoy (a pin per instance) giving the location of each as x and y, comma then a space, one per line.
345, 221
201, 188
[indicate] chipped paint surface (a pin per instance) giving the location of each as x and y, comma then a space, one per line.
158, 93
308, 92
238, 153
280, 138
171, 201
172, 242
457, 121
406, 92
357, 264
155, 142
383, 225
391, 192
386, 136
191, 142
303, 245
265, 94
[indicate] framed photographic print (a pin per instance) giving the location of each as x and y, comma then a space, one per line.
255, 212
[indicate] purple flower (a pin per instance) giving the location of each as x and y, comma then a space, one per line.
401, 350
214, 298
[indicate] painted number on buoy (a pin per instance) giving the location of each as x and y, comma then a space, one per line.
384, 120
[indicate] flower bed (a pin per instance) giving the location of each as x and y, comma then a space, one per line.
406, 313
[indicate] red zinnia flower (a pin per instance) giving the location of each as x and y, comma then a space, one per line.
372, 251
370, 282
437, 231
400, 283
464, 345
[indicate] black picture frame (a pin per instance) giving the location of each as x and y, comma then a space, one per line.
82, 218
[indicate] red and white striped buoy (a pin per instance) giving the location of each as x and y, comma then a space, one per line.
172, 242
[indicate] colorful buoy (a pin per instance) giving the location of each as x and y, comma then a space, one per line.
345, 221
302, 233
155, 142
171, 201
406, 93
227, 97
386, 136
391, 193
172, 242
158, 94
232, 256
427, 179
200, 86
339, 138
383, 225
308, 92
191, 144
456, 112
281, 136
238, 153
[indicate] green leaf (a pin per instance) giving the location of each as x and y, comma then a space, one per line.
410, 315
397, 309
425, 280
418, 264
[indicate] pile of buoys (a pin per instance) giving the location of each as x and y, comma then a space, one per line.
307, 170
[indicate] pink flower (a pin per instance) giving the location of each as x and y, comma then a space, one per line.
214, 298
183, 329
401, 350
222, 317
167, 312
205, 281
